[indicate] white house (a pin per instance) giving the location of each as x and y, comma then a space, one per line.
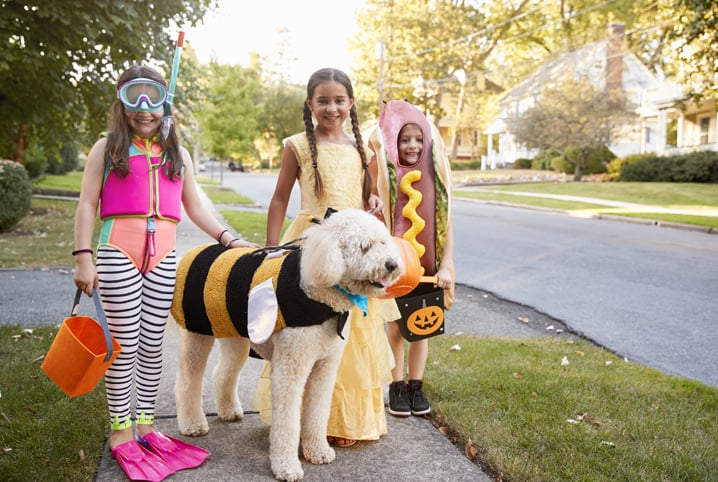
608, 67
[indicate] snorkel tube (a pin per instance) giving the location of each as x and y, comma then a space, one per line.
167, 120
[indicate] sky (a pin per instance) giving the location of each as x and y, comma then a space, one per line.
318, 31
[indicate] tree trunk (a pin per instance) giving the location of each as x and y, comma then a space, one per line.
578, 173
21, 143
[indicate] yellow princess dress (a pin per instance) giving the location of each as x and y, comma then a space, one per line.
357, 410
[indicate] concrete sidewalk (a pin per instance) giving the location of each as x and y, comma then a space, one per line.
412, 450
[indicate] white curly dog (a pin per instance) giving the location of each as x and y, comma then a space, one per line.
345, 257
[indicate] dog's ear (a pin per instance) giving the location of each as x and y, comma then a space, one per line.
322, 258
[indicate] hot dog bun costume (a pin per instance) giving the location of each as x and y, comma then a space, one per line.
417, 198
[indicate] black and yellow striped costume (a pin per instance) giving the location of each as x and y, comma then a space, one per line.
213, 285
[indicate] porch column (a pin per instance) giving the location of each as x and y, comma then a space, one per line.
661, 131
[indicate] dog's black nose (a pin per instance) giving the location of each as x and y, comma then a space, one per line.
391, 265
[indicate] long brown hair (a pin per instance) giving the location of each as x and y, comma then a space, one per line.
119, 136
318, 77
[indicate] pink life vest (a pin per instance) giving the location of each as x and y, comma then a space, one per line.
146, 191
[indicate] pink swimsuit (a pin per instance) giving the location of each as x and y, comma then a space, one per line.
140, 211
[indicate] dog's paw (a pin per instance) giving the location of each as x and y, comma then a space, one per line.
195, 428
231, 415
318, 453
287, 470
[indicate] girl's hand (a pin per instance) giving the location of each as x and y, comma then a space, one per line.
444, 279
86, 274
240, 243
376, 205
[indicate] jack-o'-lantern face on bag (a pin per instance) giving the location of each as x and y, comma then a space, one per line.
425, 320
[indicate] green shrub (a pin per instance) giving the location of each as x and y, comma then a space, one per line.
15, 194
465, 165
560, 164
615, 167
693, 167
542, 161
522, 163
596, 161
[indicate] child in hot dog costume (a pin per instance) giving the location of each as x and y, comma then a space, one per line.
414, 181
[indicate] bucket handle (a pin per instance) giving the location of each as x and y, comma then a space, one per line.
100, 316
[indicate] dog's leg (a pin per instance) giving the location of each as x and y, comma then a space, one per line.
233, 353
291, 364
194, 350
316, 406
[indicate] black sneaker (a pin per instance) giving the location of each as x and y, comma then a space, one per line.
418, 402
398, 399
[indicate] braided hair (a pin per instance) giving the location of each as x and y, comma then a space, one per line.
318, 77
119, 137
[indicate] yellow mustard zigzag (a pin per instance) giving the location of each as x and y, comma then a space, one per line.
409, 210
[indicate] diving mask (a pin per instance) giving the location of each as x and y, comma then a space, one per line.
142, 95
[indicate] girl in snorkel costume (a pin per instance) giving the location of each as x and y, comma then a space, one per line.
140, 181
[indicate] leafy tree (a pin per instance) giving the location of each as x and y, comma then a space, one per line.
59, 60
693, 31
227, 114
570, 117
280, 114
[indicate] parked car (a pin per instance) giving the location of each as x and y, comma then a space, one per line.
236, 166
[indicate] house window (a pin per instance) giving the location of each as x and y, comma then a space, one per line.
704, 130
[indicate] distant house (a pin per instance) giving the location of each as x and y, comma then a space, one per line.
656, 121
671, 126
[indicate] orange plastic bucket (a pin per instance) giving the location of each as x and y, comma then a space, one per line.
81, 352
411, 274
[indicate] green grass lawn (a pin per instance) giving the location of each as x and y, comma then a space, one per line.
528, 416
700, 199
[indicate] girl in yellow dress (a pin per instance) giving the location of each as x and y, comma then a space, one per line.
332, 170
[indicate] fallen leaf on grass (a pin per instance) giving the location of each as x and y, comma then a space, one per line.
444, 431
517, 375
470, 450
593, 420
82, 455
26, 333
609, 362
579, 353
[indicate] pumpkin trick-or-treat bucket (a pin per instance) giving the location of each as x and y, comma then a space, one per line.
422, 312
82, 351
411, 274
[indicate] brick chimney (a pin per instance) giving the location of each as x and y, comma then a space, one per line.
614, 63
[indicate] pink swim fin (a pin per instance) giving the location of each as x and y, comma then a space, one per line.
138, 463
178, 455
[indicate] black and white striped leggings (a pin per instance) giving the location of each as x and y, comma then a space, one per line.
137, 307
